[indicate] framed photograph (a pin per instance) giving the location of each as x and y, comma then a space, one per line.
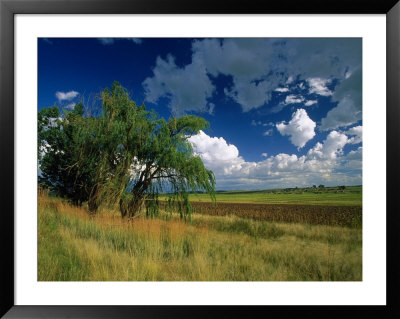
175, 159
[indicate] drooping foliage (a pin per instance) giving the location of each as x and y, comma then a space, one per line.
126, 156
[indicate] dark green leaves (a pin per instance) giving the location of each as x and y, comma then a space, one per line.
128, 155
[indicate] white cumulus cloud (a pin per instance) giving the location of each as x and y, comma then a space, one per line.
66, 96
318, 86
310, 102
293, 99
268, 132
332, 146
216, 153
282, 90
300, 128
322, 164
356, 133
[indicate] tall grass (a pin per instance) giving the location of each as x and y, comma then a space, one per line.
72, 246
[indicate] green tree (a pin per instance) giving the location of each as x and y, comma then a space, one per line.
58, 147
68, 153
127, 155
154, 156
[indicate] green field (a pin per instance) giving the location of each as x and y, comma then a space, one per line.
73, 246
332, 196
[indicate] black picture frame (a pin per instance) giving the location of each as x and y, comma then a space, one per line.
8, 9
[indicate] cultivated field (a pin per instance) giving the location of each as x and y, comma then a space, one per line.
327, 196
309, 237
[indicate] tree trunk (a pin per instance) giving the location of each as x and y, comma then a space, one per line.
93, 205
93, 202
136, 205
77, 202
130, 206
123, 208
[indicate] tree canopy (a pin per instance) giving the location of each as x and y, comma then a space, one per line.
127, 156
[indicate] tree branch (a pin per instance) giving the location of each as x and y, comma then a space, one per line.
167, 176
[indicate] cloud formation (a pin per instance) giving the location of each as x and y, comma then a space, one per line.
318, 86
323, 163
282, 90
356, 133
353, 160
293, 99
300, 128
310, 102
259, 67
348, 111
331, 147
66, 96
187, 88
216, 153
268, 132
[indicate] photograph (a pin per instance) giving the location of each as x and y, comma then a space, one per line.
200, 159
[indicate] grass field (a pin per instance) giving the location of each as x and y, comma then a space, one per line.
330, 196
75, 247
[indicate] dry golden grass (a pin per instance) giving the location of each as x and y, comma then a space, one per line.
74, 246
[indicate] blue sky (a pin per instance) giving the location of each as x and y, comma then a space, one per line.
282, 112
